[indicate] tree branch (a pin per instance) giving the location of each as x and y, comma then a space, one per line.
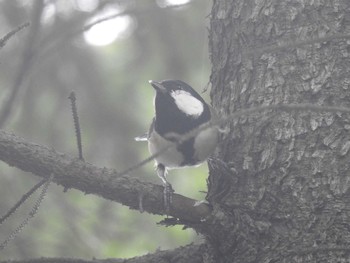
24, 198
107, 183
24, 67
10, 34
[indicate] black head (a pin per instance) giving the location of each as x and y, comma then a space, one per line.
179, 108
168, 86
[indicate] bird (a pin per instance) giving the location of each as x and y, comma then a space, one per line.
179, 109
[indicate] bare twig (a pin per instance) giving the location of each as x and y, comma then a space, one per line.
76, 124
74, 32
77, 31
101, 20
24, 67
32, 213
4, 40
144, 161
21, 201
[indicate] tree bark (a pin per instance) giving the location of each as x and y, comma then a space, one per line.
90, 179
279, 185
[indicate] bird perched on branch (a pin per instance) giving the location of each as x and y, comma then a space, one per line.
179, 110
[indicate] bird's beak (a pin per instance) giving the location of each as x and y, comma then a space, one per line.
157, 86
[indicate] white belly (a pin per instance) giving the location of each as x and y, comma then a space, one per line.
204, 143
171, 158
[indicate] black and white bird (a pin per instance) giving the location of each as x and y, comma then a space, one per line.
179, 109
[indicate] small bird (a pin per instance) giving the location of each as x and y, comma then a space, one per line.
179, 109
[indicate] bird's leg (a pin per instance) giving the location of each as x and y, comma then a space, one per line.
168, 190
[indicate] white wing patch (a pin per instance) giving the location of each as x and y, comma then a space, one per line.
187, 103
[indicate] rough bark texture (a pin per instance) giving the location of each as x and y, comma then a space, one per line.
107, 183
279, 183
280, 191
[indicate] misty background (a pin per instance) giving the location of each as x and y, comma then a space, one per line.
108, 66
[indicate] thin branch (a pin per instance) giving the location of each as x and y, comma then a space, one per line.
117, 14
32, 213
24, 67
10, 34
21, 201
78, 30
101, 20
76, 124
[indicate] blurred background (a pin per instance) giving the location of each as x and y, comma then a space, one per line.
108, 65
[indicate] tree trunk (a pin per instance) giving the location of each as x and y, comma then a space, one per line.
280, 184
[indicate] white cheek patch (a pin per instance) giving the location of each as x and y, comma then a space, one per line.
187, 103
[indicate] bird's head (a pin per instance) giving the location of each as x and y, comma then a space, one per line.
177, 97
